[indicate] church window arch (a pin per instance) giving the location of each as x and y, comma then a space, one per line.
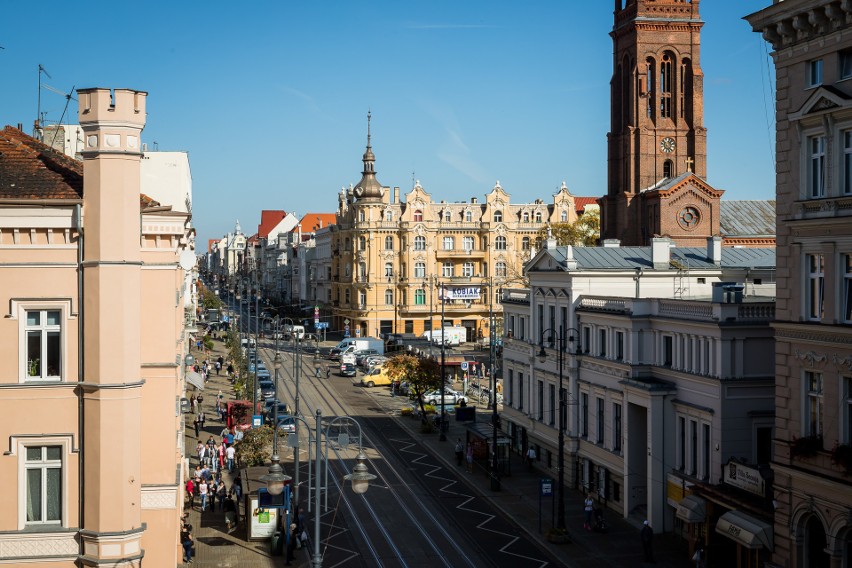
650, 82
666, 84
668, 169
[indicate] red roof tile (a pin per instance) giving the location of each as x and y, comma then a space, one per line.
268, 220
311, 222
581, 202
30, 169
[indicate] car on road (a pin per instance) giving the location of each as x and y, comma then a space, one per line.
348, 370
267, 388
451, 397
362, 354
264, 375
269, 410
287, 423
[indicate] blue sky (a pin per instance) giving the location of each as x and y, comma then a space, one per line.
270, 98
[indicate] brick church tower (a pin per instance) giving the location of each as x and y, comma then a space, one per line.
657, 144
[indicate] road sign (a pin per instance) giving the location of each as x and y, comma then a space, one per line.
322, 325
346, 321
357, 332
346, 327
464, 366
546, 485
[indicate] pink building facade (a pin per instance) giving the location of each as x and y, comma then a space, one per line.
94, 329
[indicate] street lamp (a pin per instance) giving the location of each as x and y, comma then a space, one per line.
560, 467
442, 437
275, 479
495, 474
297, 371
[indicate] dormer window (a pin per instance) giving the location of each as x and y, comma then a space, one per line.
468, 216
418, 216
447, 216
498, 216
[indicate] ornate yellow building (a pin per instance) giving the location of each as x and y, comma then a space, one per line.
391, 258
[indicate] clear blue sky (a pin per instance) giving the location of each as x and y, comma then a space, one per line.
270, 98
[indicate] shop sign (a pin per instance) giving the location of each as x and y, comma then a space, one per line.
745, 478
461, 293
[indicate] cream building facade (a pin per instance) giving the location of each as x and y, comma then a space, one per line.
812, 52
98, 306
391, 257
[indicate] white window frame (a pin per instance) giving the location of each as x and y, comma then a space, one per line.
500, 243
500, 269
813, 397
447, 269
468, 243
448, 243
389, 297
814, 75
467, 269
448, 216
20, 309
814, 286
420, 270
362, 299
816, 166
845, 270
526, 243
389, 242
498, 216
18, 446
468, 216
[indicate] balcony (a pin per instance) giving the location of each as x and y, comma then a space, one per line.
460, 253
516, 296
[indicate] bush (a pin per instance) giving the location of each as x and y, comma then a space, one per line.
407, 411
255, 447
806, 446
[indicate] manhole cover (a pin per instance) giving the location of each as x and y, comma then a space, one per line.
214, 541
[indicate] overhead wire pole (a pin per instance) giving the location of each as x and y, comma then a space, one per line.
442, 436
495, 474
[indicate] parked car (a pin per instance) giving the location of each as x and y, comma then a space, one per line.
348, 370
287, 423
264, 375
267, 388
269, 410
451, 397
362, 354
373, 361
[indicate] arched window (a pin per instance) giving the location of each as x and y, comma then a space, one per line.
500, 243
388, 243
420, 297
564, 216
538, 216
418, 215
651, 86
498, 216
388, 297
500, 270
388, 215
525, 218
468, 216
420, 243
361, 216
666, 86
362, 270
348, 269
346, 244
389, 269
362, 243
447, 216
468, 243
668, 167
525, 243
420, 270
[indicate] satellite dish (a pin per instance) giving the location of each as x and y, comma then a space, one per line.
187, 260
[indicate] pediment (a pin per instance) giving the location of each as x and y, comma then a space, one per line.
825, 98
689, 183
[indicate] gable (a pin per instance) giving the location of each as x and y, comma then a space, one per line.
824, 98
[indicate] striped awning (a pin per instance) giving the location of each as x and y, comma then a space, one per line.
195, 380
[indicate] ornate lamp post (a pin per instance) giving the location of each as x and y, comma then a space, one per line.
275, 479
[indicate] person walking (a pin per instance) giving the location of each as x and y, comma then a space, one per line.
459, 452
469, 457
588, 510
530, 457
187, 542
203, 491
190, 492
647, 536
221, 494
195, 424
291, 545
230, 454
201, 419
194, 402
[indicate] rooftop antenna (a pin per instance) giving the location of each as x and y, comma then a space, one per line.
41, 70
413, 182
68, 98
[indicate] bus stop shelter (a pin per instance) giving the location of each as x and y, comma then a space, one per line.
481, 435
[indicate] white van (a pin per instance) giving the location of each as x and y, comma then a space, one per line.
297, 331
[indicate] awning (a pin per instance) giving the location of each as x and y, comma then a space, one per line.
195, 380
745, 529
692, 509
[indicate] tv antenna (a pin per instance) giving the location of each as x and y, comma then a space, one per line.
41, 70
68, 99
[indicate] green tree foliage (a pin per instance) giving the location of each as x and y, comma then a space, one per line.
256, 446
209, 300
584, 232
422, 374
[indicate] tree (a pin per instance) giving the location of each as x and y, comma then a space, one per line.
422, 374
584, 232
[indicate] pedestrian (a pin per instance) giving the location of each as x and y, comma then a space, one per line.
230, 454
221, 452
221, 493
187, 542
230, 369
194, 402
190, 493
238, 487
698, 557
530, 457
459, 452
203, 491
218, 367
291, 544
647, 535
195, 424
327, 372
469, 456
588, 510
230, 509
201, 418
212, 489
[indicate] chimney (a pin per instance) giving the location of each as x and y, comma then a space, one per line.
611, 243
661, 252
728, 292
570, 262
473, 200
396, 194
714, 250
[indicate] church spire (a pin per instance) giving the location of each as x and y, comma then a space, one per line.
369, 187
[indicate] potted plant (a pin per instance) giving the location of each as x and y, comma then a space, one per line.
841, 454
806, 446
32, 368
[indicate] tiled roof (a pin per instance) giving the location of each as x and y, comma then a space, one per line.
581, 202
268, 220
30, 169
311, 222
746, 218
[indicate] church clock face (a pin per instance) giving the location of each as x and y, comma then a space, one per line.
667, 145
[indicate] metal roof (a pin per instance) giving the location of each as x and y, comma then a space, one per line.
630, 258
748, 218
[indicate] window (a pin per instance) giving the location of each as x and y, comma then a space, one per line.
619, 346
667, 350
362, 298
346, 296
388, 297
552, 407
815, 285
362, 270
419, 243
847, 162
602, 342
388, 243
468, 216
666, 80
43, 465
500, 270
525, 243
500, 243
361, 216
541, 401
668, 169
813, 420
468, 243
584, 415
520, 391
616, 427
388, 270
600, 425
693, 453
564, 217
43, 344
525, 218
681, 446
816, 166
362, 243
420, 297
447, 216
346, 244
847, 287
388, 215
420, 270
846, 425
846, 63
418, 216
538, 216
467, 269
498, 216
705, 450
447, 270
815, 72
587, 339
449, 243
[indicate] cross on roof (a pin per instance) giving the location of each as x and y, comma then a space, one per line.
689, 161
